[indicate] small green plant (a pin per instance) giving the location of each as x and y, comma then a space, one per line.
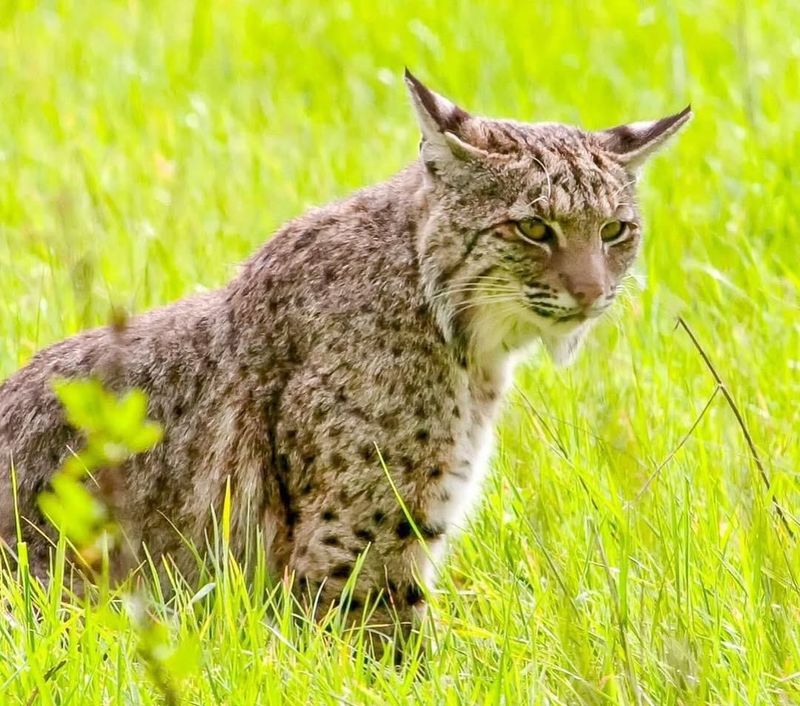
114, 428
81, 502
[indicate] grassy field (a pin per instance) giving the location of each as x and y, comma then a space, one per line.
625, 552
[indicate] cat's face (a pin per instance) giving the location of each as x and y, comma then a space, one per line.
532, 226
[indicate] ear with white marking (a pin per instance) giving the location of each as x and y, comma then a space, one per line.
442, 123
635, 142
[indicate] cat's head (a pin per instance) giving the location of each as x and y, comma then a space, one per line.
531, 226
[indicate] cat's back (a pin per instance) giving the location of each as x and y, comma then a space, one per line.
148, 351
334, 257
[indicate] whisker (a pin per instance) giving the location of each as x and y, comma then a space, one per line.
622, 187
488, 298
549, 181
482, 278
467, 285
543, 197
472, 303
468, 290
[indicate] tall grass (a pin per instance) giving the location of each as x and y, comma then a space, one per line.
625, 551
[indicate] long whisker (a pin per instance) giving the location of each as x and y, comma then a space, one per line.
543, 197
481, 278
622, 187
463, 290
547, 174
484, 283
486, 278
491, 299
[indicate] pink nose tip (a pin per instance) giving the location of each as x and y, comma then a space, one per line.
587, 293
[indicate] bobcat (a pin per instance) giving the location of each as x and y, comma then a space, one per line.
369, 341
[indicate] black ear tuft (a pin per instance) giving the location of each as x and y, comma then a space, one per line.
635, 142
447, 116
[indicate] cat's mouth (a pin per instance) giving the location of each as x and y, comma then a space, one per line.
559, 314
563, 315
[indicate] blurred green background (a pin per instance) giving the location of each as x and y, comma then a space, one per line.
147, 147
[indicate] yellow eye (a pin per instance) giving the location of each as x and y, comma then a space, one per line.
534, 229
612, 230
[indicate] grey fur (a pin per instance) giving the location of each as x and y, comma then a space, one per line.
391, 319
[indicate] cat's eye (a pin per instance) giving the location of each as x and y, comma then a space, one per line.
535, 230
613, 230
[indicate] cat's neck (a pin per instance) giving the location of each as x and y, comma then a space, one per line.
487, 342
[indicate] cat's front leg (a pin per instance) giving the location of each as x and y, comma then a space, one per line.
366, 555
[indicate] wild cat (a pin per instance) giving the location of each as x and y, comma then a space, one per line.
371, 340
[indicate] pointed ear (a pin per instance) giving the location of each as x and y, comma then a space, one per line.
442, 124
635, 142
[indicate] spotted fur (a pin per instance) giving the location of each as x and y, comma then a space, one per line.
381, 329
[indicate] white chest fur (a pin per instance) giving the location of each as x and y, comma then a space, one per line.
470, 457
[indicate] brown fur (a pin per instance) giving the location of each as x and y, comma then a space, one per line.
388, 321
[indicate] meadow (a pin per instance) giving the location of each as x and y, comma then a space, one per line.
628, 549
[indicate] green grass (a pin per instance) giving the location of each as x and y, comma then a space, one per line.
146, 147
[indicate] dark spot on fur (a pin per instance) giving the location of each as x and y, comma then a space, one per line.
341, 571
435, 472
283, 463
392, 586
287, 503
456, 412
331, 541
343, 496
396, 351
291, 434
379, 517
422, 435
337, 460
367, 452
355, 604
308, 586
419, 411
329, 515
292, 354
365, 534
306, 489
403, 529
388, 421
309, 459
413, 595
303, 240
341, 395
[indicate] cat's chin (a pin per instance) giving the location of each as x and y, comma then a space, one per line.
563, 347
